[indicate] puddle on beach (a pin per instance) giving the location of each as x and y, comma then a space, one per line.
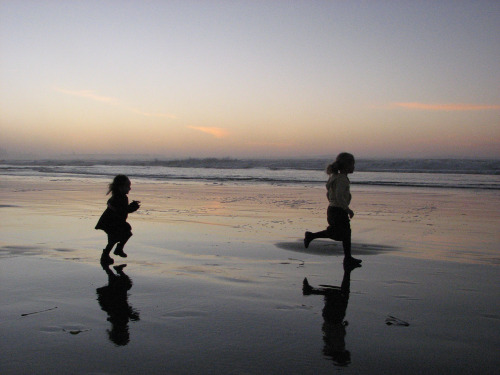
332, 248
73, 329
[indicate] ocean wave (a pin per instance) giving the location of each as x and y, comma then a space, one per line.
466, 174
462, 166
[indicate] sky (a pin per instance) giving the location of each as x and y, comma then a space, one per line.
175, 79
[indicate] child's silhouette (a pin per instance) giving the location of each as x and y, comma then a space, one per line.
114, 219
338, 213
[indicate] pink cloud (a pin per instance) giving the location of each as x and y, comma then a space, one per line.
216, 132
89, 94
446, 107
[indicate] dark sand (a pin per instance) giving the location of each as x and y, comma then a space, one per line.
216, 282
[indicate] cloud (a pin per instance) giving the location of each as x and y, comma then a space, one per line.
446, 107
89, 94
216, 132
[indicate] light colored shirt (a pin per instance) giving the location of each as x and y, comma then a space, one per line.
339, 194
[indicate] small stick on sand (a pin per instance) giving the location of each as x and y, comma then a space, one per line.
38, 312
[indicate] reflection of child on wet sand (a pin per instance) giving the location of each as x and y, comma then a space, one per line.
113, 298
114, 219
339, 213
334, 311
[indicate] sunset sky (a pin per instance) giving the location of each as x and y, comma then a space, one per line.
250, 78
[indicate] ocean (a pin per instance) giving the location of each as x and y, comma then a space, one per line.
432, 173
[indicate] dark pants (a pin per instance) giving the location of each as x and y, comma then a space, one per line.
339, 224
339, 228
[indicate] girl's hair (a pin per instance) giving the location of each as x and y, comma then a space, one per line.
341, 163
118, 181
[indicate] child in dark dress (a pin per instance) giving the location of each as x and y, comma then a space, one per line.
114, 219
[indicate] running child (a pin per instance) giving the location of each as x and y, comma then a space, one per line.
338, 213
114, 219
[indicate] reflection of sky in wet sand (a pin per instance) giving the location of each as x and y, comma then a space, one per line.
423, 223
224, 280
329, 248
255, 323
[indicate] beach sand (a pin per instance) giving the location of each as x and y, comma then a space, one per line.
214, 277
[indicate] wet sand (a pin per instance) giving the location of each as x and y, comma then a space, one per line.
214, 281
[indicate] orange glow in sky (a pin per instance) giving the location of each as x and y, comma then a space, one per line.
250, 79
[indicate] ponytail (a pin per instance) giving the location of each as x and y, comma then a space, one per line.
341, 162
332, 168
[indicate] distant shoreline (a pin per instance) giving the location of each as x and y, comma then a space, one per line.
462, 174
400, 165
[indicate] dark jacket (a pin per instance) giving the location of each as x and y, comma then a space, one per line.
114, 218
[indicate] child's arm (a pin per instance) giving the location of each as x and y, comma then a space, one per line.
134, 206
350, 213
343, 195
118, 205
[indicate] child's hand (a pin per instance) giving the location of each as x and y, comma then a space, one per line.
135, 205
350, 213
